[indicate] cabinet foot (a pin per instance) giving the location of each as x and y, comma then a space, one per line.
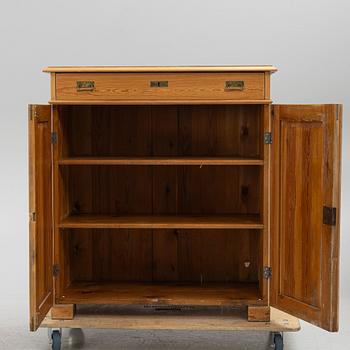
259, 313
63, 312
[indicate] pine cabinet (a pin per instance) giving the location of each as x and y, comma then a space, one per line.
182, 187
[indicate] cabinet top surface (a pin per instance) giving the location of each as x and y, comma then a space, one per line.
155, 69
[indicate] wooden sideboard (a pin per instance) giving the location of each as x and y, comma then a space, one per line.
182, 187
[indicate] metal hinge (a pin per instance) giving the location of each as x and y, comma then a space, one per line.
55, 270
267, 272
268, 138
54, 138
329, 216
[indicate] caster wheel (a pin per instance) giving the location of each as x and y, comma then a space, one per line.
278, 341
56, 340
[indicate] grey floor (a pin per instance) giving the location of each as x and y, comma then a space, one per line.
14, 334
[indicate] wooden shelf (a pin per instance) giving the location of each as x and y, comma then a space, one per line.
243, 221
160, 161
162, 293
160, 102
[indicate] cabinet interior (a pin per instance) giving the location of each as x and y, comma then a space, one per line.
176, 131
157, 203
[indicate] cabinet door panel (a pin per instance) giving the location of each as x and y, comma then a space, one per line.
40, 207
305, 179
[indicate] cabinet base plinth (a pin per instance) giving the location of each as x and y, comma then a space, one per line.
63, 312
258, 313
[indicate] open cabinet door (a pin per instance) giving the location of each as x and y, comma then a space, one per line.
305, 203
40, 214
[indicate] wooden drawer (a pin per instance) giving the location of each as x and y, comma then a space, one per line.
164, 87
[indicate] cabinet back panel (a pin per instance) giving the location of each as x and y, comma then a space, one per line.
164, 255
162, 190
221, 130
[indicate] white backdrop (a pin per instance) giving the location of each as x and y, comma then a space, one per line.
307, 40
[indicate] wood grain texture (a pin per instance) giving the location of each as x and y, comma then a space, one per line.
305, 177
163, 221
267, 82
135, 131
107, 255
209, 294
61, 206
182, 86
258, 313
159, 161
137, 190
142, 255
157, 102
217, 255
203, 321
155, 69
53, 86
264, 200
162, 131
40, 212
63, 312
140, 223
162, 196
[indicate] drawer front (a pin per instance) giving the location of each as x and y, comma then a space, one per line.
159, 86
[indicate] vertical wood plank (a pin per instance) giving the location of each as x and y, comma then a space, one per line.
53, 86
267, 78
265, 191
164, 122
306, 178
40, 213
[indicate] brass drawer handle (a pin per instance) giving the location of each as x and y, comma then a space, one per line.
158, 83
234, 85
88, 85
